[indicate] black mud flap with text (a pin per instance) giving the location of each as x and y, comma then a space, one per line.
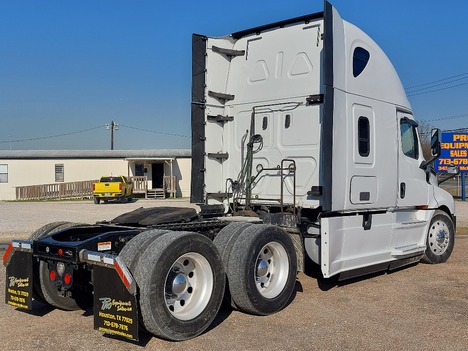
115, 303
19, 279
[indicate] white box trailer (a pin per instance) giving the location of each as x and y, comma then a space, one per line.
304, 145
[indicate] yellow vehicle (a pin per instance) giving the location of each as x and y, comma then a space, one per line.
112, 188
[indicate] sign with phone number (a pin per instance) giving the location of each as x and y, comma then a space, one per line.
454, 152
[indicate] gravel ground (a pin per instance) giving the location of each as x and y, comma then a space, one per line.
423, 307
19, 219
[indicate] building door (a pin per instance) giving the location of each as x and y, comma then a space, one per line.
157, 175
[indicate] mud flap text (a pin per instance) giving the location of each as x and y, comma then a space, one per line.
19, 281
115, 308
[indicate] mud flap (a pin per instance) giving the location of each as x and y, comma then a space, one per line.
19, 279
115, 305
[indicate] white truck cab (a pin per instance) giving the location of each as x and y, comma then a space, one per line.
308, 118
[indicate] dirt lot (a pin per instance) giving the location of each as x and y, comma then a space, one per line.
420, 307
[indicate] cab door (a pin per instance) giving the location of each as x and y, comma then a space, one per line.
413, 189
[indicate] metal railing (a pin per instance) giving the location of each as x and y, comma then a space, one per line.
84, 189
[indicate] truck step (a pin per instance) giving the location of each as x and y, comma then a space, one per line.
408, 251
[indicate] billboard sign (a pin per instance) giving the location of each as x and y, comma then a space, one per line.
454, 152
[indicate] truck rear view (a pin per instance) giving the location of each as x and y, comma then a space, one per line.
304, 144
112, 188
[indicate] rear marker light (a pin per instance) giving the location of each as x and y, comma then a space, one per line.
60, 252
67, 278
52, 275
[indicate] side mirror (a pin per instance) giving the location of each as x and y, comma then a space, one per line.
436, 137
435, 142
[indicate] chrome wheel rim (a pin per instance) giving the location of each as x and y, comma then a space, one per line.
188, 286
439, 237
271, 270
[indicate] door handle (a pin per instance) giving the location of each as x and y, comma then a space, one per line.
402, 190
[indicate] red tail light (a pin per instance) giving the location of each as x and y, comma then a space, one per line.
67, 278
52, 275
94, 187
120, 186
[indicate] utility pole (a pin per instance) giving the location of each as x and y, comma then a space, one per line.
112, 126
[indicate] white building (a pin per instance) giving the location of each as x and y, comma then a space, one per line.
37, 167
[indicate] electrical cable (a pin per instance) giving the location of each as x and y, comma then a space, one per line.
50, 136
154, 131
439, 80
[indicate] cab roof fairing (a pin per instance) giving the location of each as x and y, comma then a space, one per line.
379, 79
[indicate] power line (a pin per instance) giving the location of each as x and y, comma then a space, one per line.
154, 131
435, 85
434, 90
50, 136
431, 87
461, 115
437, 81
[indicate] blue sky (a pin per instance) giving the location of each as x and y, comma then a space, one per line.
71, 66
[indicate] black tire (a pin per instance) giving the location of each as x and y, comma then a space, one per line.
97, 200
132, 251
181, 283
47, 292
262, 269
46, 230
440, 238
36, 235
224, 241
226, 238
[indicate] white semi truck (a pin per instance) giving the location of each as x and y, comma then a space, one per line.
304, 148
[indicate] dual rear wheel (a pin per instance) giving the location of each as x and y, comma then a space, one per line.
181, 282
182, 275
261, 266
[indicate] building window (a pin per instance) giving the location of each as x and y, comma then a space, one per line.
3, 173
139, 169
363, 136
59, 174
409, 138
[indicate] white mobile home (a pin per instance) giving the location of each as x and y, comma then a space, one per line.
20, 168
